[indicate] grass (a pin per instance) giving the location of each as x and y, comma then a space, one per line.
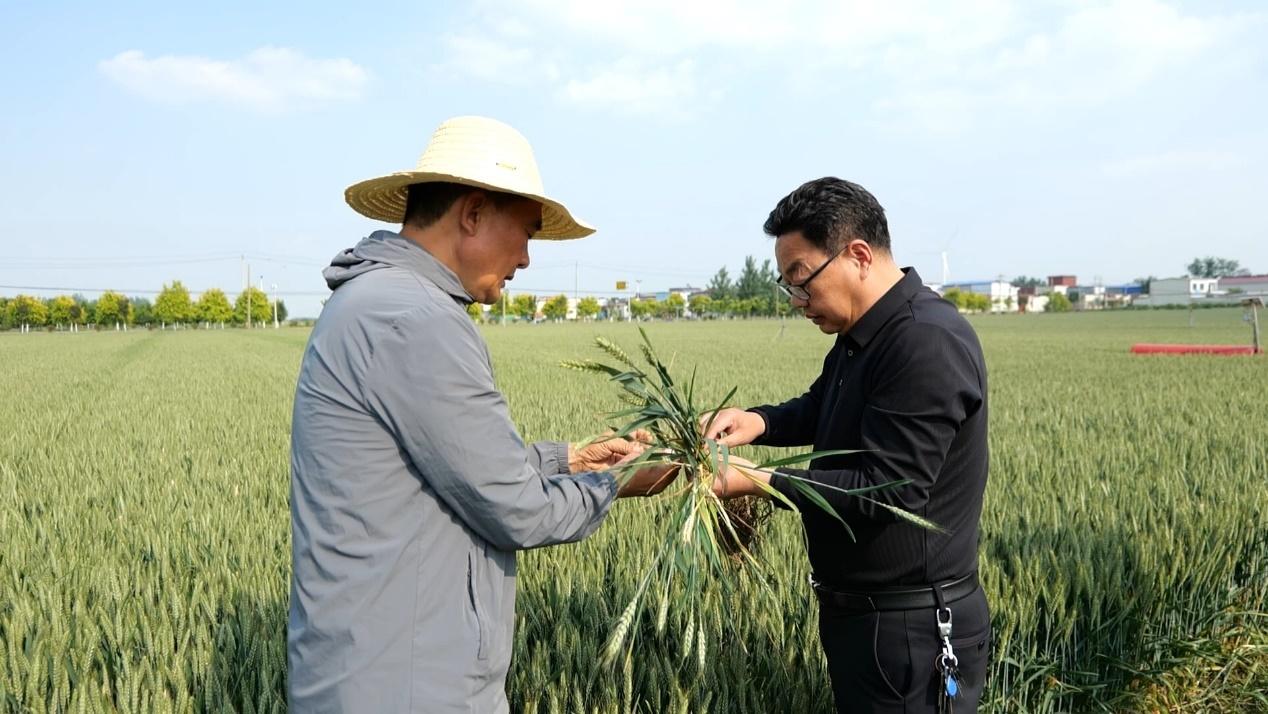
144, 535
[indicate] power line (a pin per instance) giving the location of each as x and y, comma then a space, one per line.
80, 262
147, 291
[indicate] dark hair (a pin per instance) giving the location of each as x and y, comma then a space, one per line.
830, 212
425, 203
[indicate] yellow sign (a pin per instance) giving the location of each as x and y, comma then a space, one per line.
620, 285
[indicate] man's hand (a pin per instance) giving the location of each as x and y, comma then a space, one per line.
740, 479
606, 453
733, 427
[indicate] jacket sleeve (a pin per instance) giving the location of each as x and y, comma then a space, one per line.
431, 384
549, 457
794, 422
916, 407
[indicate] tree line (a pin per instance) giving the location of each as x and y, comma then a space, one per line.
172, 307
752, 294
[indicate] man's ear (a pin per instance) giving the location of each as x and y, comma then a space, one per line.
861, 252
472, 208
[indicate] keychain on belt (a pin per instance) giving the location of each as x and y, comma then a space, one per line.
947, 664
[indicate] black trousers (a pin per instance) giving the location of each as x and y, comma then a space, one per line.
885, 662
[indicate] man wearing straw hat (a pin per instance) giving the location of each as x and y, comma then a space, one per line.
410, 489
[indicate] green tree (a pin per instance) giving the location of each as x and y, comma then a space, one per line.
27, 310
4, 314
753, 282
213, 307
497, 308
781, 306
112, 309
1058, 303
675, 304
1213, 267
1023, 281
81, 313
556, 308
142, 311
720, 287
282, 312
475, 311
700, 304
976, 302
1144, 283
524, 306
59, 310
587, 308
172, 307
643, 309
261, 310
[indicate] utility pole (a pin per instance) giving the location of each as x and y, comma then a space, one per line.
246, 289
1253, 305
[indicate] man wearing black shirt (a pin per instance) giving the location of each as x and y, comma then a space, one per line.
905, 382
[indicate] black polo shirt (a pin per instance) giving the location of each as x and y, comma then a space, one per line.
906, 383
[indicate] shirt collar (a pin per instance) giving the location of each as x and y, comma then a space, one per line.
416, 259
877, 315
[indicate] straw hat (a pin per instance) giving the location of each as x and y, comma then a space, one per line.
474, 151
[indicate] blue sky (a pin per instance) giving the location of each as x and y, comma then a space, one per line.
146, 142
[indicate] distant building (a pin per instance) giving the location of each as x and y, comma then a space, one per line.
1087, 297
615, 308
1243, 284
1123, 295
1033, 302
572, 306
1002, 294
685, 293
1180, 291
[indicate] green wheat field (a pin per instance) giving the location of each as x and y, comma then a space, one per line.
145, 555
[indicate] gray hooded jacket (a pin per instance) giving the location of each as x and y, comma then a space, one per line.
410, 493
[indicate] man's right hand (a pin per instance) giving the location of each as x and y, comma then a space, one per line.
648, 481
733, 427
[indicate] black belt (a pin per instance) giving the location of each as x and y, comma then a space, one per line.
919, 598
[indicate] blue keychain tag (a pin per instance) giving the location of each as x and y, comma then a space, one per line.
953, 688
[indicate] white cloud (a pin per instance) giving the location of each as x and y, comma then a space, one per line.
943, 63
1095, 54
268, 79
1171, 162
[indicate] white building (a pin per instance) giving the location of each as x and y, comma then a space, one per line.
1091, 297
1002, 294
1036, 303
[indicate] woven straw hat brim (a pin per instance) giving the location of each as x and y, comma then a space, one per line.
383, 199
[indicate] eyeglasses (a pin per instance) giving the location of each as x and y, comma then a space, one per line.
799, 291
